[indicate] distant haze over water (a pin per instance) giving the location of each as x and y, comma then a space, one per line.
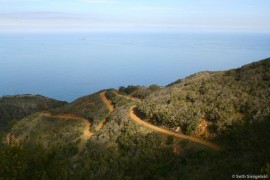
66, 66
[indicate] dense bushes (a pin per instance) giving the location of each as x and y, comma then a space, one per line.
14, 108
144, 156
48, 131
90, 107
33, 162
220, 97
235, 104
139, 91
117, 101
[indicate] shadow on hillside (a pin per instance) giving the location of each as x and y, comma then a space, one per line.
246, 152
247, 148
138, 156
141, 157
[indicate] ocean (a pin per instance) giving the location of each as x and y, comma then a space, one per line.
66, 66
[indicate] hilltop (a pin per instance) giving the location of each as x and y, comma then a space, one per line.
209, 125
212, 99
14, 108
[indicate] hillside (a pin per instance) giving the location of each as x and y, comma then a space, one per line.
14, 108
213, 99
209, 125
48, 130
90, 107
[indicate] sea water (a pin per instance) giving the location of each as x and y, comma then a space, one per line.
66, 66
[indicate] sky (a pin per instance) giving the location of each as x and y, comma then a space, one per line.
88, 15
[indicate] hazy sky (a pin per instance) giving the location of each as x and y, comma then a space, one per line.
81, 15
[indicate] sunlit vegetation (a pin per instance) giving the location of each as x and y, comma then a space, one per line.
138, 91
221, 98
233, 106
48, 131
14, 108
90, 107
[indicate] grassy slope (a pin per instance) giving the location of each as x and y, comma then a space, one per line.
56, 130
90, 107
48, 131
18, 107
125, 149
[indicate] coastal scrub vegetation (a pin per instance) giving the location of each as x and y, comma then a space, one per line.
230, 107
219, 98
90, 107
14, 108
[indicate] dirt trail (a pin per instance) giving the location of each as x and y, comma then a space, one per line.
87, 133
140, 121
109, 105
170, 133
106, 101
127, 97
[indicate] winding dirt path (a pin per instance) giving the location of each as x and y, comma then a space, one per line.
106, 101
171, 133
109, 105
87, 133
140, 121
127, 97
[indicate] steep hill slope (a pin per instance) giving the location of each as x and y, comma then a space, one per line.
69, 124
216, 98
187, 121
90, 107
49, 130
20, 106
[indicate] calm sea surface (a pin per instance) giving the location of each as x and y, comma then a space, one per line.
67, 66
